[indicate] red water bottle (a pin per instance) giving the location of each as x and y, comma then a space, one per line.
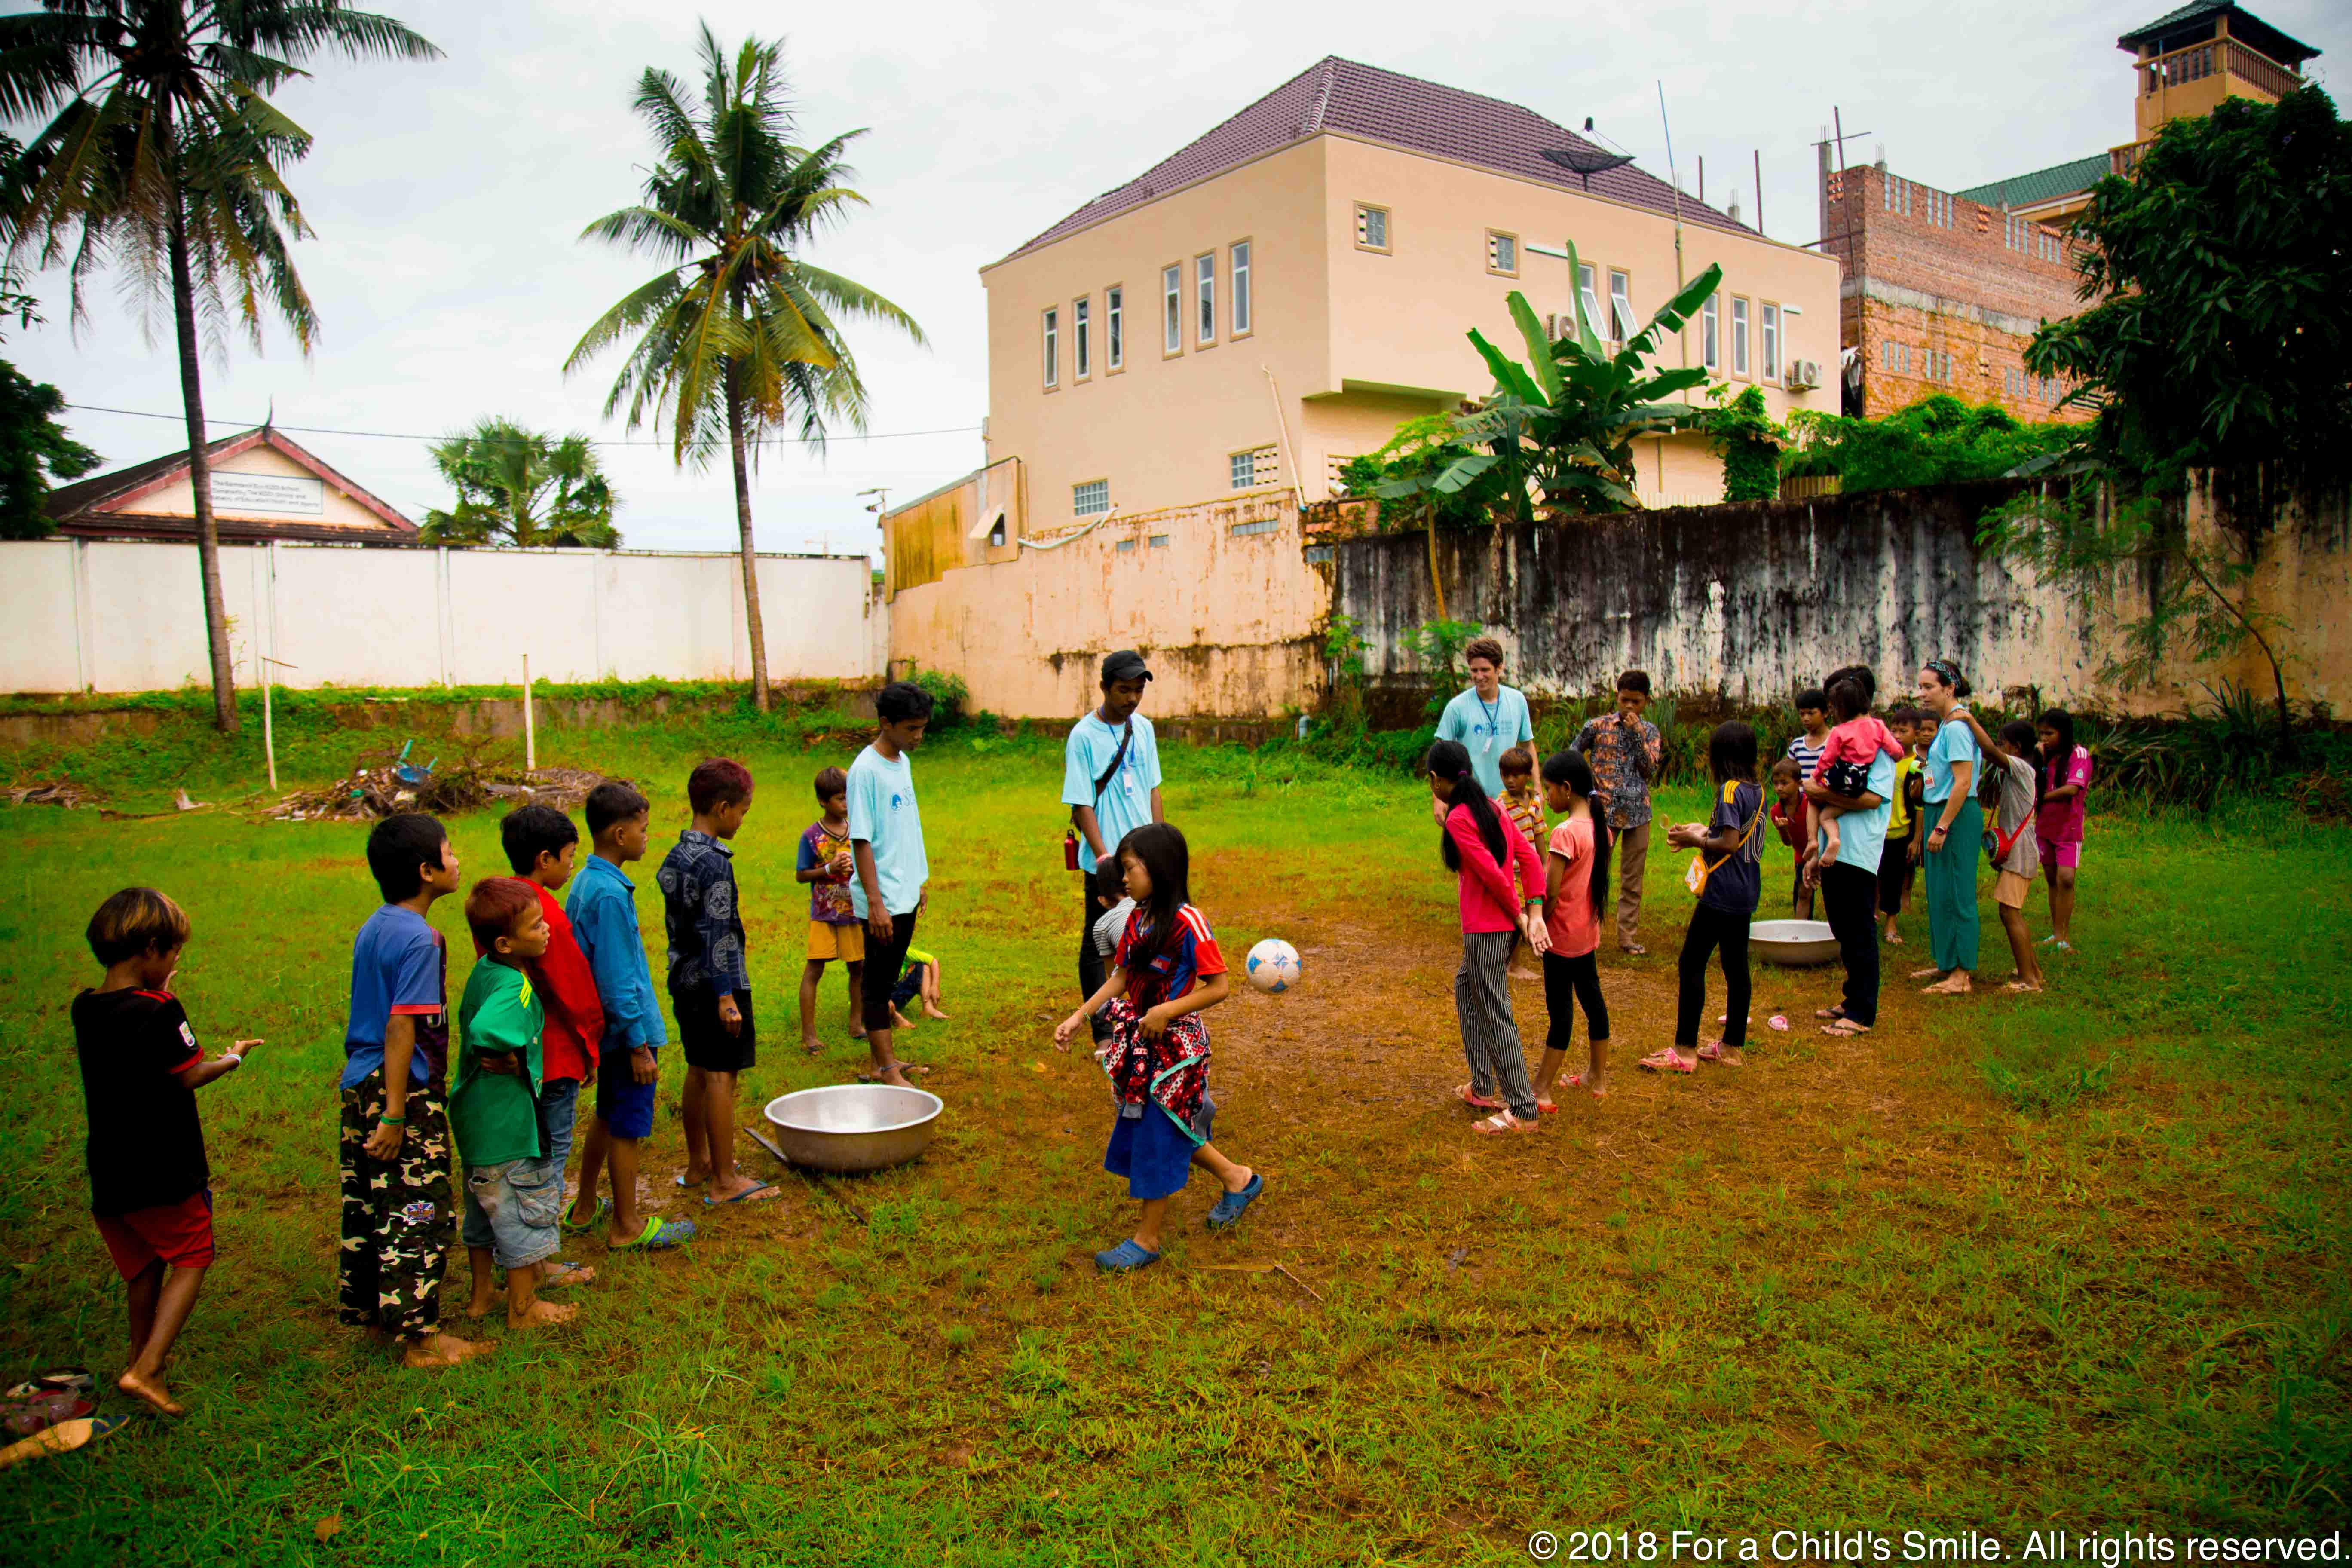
1069, 849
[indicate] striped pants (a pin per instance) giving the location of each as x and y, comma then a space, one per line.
1490, 1035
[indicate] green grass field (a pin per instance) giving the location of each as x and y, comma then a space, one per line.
2075, 1260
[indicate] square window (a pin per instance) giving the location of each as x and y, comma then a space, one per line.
1091, 498
1244, 306
1204, 279
1372, 228
1739, 336
1621, 306
1081, 350
1053, 347
1115, 327
1503, 254
1171, 296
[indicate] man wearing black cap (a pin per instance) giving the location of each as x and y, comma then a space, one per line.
1110, 782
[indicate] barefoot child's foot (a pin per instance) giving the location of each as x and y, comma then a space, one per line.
152, 1390
540, 1314
1930, 973
1956, 984
931, 1012
438, 1350
1525, 974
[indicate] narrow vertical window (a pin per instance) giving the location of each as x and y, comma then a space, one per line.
1621, 306
1115, 327
1589, 298
1708, 330
1081, 350
1771, 335
1502, 253
1739, 336
1053, 347
1205, 293
1241, 301
1171, 295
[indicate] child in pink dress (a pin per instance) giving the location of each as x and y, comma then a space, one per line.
1854, 743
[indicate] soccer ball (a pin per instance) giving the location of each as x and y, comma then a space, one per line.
1273, 966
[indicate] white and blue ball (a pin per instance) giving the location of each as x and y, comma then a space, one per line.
1273, 966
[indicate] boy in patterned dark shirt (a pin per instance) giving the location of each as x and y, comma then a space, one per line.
709, 987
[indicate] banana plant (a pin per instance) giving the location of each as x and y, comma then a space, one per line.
1565, 422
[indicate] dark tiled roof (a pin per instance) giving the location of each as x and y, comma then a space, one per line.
2245, 25
80, 507
2025, 190
1342, 96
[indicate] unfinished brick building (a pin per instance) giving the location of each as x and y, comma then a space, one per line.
1942, 289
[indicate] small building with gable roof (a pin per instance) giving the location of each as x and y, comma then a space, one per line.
265, 486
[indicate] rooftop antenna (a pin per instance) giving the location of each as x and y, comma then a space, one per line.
1584, 160
1682, 338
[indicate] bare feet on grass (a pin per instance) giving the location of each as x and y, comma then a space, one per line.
150, 1387
438, 1350
1930, 973
1956, 984
540, 1315
931, 1012
900, 1020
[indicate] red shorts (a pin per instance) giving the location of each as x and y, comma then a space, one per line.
2057, 853
179, 1234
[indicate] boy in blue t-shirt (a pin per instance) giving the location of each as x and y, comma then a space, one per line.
886, 836
397, 1213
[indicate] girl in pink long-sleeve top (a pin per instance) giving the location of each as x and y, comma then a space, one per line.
1481, 846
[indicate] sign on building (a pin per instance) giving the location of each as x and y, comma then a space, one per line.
283, 494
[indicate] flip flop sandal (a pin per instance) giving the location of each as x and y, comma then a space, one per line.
1547, 1107
1576, 1081
1831, 1013
1666, 1062
1470, 1097
22, 1418
603, 1211
759, 1195
1845, 1028
55, 1380
906, 1069
680, 1182
1501, 1123
562, 1271
1717, 1052
660, 1234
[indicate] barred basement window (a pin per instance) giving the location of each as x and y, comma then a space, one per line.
1091, 498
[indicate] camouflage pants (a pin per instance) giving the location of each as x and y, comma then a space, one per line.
398, 1218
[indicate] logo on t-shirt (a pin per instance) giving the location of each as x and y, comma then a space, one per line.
896, 801
188, 1035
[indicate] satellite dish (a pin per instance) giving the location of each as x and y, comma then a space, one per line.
1584, 162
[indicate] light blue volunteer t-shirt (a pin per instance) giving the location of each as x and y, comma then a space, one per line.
882, 812
1954, 743
1486, 730
1125, 804
1861, 835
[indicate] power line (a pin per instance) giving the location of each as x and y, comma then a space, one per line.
409, 435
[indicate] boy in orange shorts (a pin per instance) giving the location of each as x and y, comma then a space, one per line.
150, 1189
835, 931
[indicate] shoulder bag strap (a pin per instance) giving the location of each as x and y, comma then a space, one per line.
1102, 783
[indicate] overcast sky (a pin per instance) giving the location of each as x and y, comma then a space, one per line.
448, 197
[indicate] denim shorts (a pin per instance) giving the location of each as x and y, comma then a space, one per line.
512, 1209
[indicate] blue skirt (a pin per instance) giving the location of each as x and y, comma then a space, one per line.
1152, 1153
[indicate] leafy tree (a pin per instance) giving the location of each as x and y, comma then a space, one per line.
736, 336
1565, 422
1748, 442
2222, 315
1938, 440
519, 487
33, 448
1408, 475
162, 152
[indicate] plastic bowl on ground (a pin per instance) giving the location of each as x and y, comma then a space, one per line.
845, 1128
1793, 944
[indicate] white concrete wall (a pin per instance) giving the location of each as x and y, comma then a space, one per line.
102, 615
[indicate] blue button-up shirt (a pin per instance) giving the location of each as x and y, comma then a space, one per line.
602, 909
706, 933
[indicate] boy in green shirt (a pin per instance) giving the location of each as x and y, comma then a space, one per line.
514, 1193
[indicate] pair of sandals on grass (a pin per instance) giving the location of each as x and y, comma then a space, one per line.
1503, 1121
52, 1411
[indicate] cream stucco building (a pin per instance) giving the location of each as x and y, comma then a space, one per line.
1276, 297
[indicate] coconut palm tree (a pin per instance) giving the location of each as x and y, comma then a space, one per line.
522, 487
163, 153
737, 336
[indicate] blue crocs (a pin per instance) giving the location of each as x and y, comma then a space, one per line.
1229, 1208
1124, 1258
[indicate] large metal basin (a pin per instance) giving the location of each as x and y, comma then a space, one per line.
852, 1126
1793, 944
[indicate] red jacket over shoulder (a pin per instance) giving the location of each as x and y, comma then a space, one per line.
567, 987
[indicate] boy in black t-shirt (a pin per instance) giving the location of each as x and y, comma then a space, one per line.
141, 1066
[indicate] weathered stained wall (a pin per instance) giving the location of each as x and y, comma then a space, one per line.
1750, 603
1230, 621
